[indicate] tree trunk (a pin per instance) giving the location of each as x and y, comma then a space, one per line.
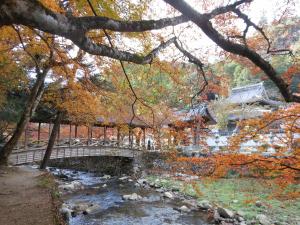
51, 141
31, 104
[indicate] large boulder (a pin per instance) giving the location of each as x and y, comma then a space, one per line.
225, 213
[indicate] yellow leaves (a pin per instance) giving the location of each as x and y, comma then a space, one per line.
54, 5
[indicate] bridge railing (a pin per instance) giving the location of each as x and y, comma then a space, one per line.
42, 144
37, 154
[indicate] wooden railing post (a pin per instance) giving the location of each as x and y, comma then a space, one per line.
118, 136
144, 137
70, 134
39, 133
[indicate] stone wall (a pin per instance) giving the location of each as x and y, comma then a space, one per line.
112, 165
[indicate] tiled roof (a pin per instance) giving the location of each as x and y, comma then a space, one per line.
248, 94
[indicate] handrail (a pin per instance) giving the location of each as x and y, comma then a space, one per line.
33, 155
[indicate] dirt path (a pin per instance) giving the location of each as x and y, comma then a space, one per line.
22, 200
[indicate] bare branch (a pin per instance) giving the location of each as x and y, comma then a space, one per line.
206, 26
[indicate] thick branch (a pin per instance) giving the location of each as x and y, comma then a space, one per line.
206, 26
33, 14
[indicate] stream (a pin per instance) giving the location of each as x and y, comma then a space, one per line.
105, 192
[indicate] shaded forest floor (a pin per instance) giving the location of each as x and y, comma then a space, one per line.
249, 197
26, 197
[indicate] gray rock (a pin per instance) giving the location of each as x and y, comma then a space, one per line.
240, 219
132, 197
184, 209
235, 201
92, 209
141, 181
66, 213
168, 194
123, 178
217, 216
80, 207
258, 204
204, 204
263, 219
191, 203
106, 176
157, 185
72, 186
161, 190
225, 213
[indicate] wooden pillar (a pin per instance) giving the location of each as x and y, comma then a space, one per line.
104, 131
70, 135
130, 137
118, 136
76, 131
144, 137
39, 133
88, 136
58, 135
91, 132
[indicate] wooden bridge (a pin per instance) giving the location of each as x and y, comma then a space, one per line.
78, 148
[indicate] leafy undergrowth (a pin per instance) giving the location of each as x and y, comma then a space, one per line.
242, 195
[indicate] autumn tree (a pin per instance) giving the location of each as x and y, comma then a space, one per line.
36, 53
77, 22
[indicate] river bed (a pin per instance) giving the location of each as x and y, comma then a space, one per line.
105, 192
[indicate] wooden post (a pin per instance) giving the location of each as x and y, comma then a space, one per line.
58, 135
130, 137
144, 137
91, 132
39, 133
104, 130
76, 131
70, 135
88, 133
118, 136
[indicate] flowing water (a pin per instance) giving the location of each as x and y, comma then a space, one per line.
151, 210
